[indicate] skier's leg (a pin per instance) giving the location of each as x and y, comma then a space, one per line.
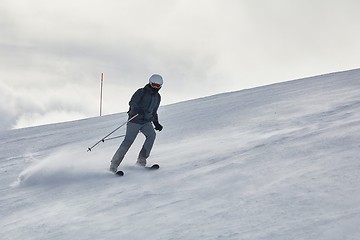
149, 132
131, 132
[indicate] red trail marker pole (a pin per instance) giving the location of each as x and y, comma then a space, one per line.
101, 92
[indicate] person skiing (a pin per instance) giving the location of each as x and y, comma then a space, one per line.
144, 102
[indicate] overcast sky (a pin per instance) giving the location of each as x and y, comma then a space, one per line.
52, 53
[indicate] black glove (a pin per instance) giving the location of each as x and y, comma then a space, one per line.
158, 126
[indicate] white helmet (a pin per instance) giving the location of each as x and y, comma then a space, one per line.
156, 81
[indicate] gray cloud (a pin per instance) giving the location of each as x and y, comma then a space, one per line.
52, 52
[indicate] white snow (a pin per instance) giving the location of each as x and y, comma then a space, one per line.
275, 162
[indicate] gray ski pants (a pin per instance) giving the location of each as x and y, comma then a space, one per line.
132, 131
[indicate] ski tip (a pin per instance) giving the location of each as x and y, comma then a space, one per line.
119, 173
155, 166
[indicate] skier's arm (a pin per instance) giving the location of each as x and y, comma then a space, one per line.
155, 115
135, 103
156, 123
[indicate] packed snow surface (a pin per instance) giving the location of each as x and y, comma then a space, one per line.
276, 162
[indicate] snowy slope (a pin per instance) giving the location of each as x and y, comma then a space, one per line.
274, 162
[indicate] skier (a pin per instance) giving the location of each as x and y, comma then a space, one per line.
144, 102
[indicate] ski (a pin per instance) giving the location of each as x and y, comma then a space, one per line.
153, 167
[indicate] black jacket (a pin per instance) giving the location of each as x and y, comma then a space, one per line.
145, 102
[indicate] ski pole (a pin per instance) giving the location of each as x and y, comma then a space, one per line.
103, 139
114, 138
